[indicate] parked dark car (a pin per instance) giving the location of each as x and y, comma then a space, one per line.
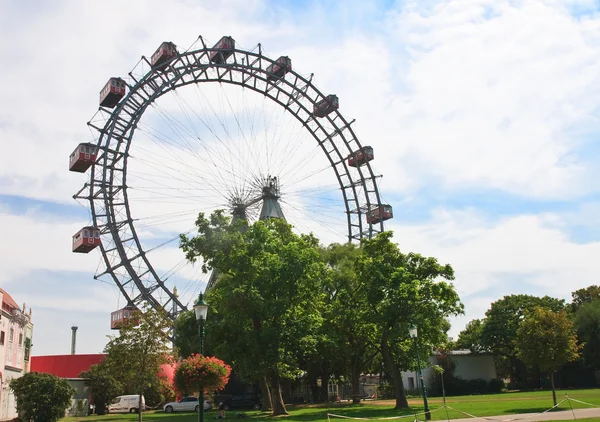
242, 401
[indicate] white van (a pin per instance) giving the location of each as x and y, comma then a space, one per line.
126, 404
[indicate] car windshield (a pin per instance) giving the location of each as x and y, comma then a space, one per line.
115, 400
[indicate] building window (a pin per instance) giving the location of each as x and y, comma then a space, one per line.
1, 337
11, 334
27, 348
21, 339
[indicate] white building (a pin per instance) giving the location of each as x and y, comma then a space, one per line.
469, 366
16, 331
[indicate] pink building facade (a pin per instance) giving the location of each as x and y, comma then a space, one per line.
16, 332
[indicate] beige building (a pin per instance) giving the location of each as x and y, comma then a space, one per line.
16, 332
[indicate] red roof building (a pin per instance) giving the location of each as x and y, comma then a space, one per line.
65, 366
70, 366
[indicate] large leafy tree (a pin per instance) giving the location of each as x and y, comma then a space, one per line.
584, 295
103, 386
403, 290
134, 356
348, 329
500, 329
470, 337
587, 321
547, 339
267, 301
41, 397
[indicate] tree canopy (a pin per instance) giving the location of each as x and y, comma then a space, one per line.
135, 356
547, 339
402, 290
502, 322
267, 302
470, 337
584, 295
587, 321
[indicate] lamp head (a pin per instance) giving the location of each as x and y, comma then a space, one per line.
201, 308
413, 331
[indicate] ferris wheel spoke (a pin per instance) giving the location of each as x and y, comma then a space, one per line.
236, 153
187, 109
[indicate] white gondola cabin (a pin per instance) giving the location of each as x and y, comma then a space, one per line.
83, 157
117, 318
112, 92
86, 239
278, 69
163, 55
226, 45
380, 213
326, 106
360, 157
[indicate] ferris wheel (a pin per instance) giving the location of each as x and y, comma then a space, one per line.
214, 128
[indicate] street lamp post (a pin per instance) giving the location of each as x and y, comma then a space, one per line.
414, 335
201, 310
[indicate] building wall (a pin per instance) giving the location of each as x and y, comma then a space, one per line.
469, 366
17, 330
475, 366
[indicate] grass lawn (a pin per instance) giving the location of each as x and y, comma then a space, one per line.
481, 405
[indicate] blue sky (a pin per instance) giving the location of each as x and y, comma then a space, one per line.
483, 115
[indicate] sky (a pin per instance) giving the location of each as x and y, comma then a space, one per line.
483, 115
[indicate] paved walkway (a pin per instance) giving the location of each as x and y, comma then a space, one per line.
548, 416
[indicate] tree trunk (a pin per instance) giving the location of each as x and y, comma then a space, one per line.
553, 389
313, 386
325, 385
140, 408
277, 400
266, 394
355, 380
287, 390
401, 401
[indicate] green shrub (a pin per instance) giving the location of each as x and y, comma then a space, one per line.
496, 385
41, 397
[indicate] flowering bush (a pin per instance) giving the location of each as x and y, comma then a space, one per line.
199, 372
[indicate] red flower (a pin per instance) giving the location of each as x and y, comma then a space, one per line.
199, 372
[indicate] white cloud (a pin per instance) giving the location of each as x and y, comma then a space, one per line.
530, 251
490, 101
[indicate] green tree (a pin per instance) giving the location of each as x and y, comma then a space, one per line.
187, 336
403, 290
352, 335
470, 337
500, 329
103, 386
41, 397
587, 321
266, 303
134, 357
585, 295
547, 339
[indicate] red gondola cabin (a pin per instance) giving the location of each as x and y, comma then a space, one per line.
381, 213
112, 92
326, 106
117, 318
86, 239
278, 69
360, 157
226, 46
83, 157
163, 55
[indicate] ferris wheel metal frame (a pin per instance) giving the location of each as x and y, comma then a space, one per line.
125, 259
